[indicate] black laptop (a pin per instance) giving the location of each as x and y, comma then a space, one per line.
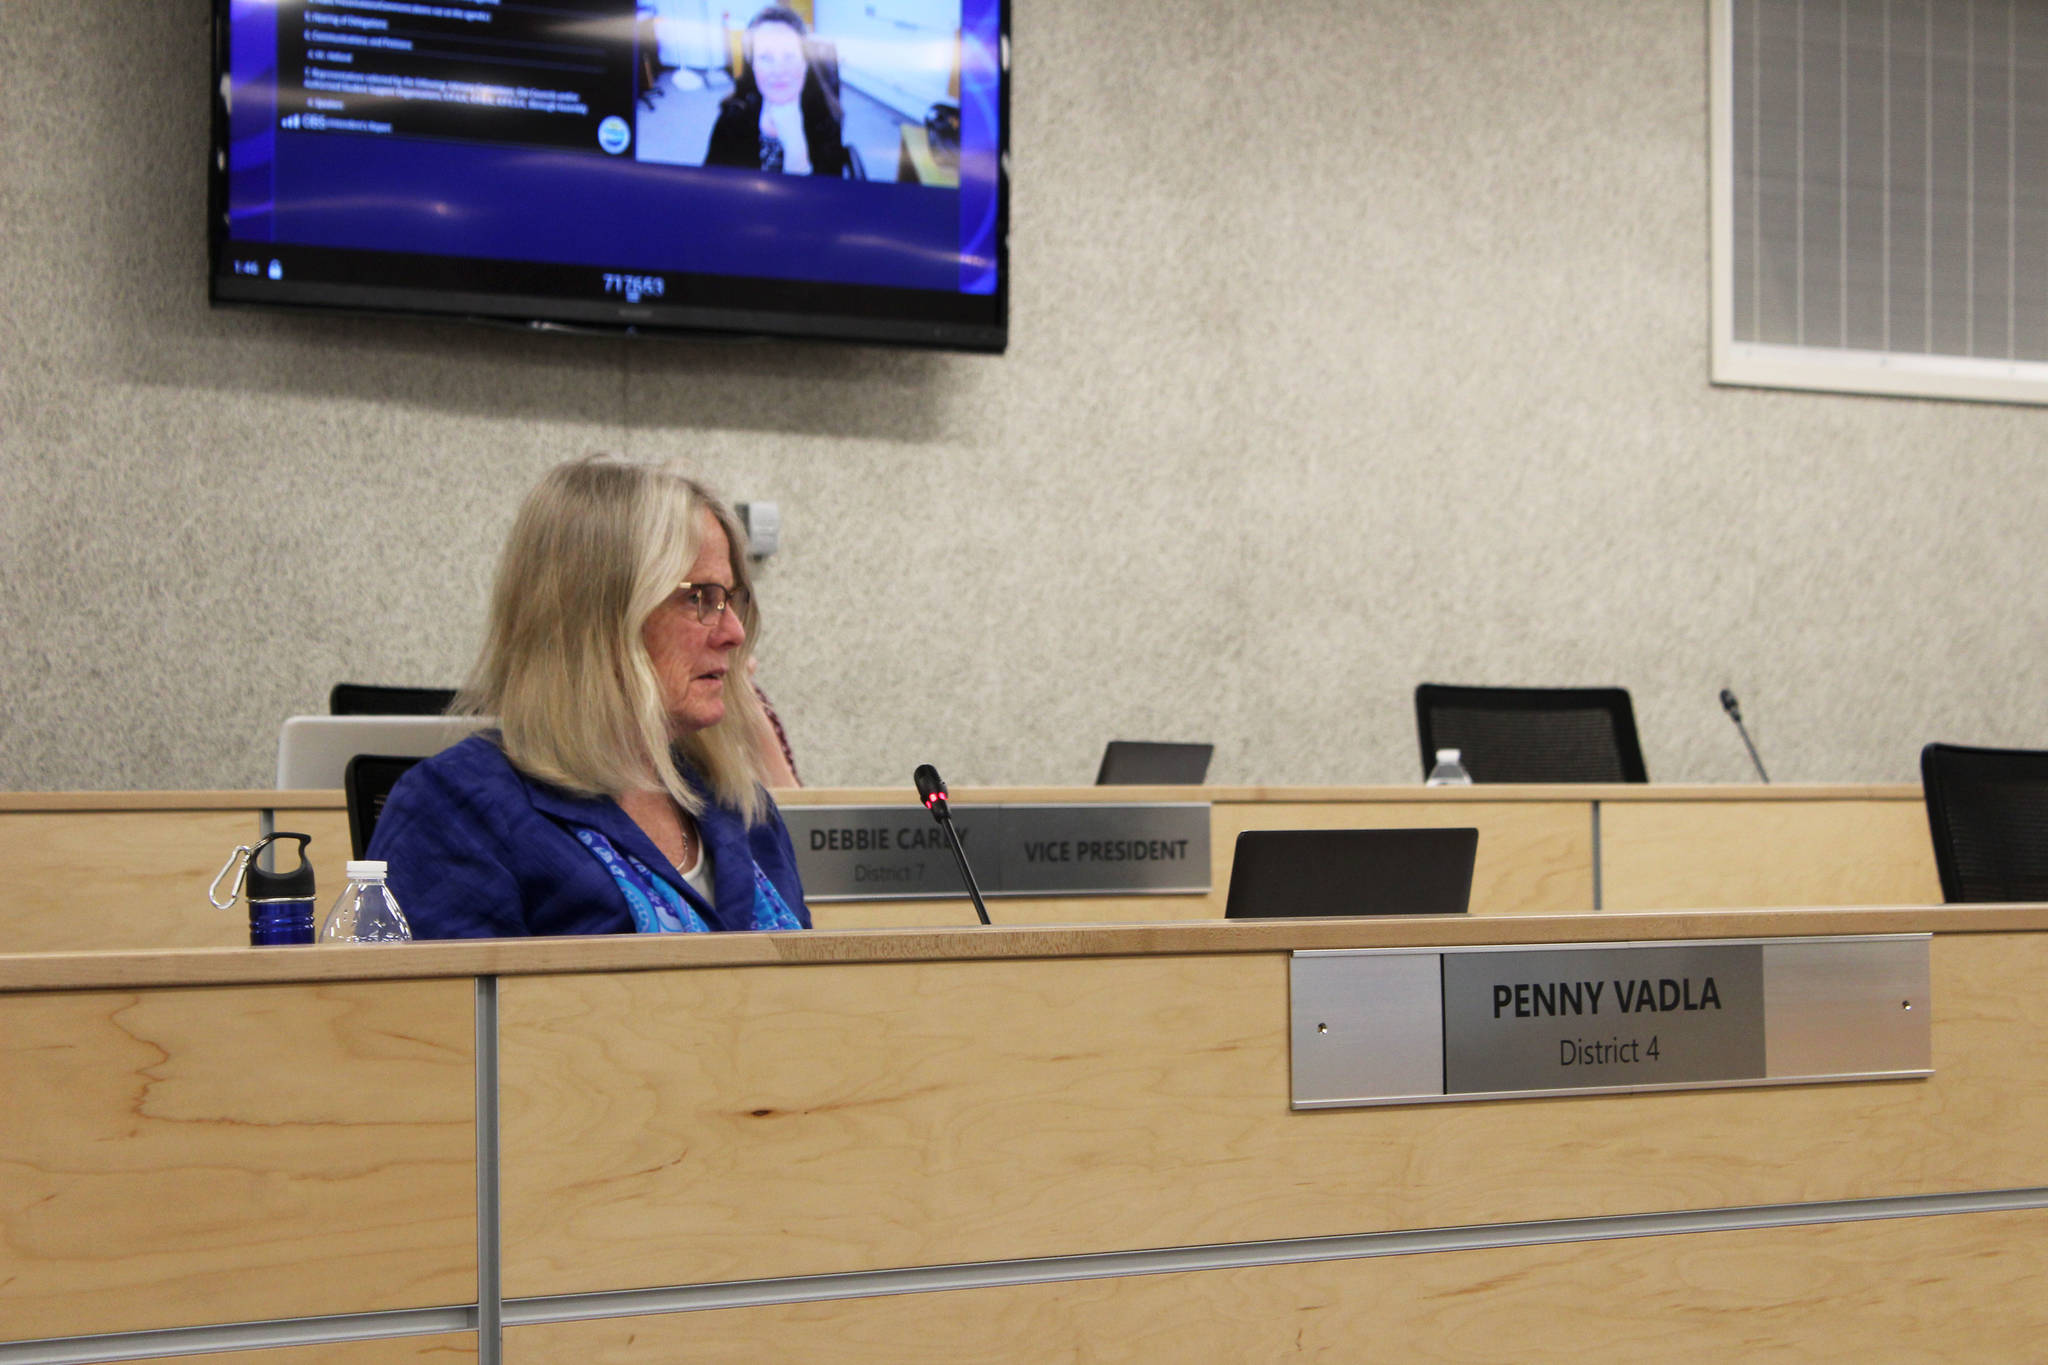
1141, 763
1290, 873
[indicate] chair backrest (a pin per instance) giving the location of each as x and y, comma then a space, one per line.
1532, 734
365, 699
1987, 810
1139, 762
367, 780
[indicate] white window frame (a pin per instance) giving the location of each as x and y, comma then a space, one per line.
1821, 368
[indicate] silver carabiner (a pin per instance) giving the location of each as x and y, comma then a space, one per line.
242, 854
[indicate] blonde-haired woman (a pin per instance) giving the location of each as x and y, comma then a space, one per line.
622, 791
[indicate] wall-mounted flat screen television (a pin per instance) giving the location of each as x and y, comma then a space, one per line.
830, 168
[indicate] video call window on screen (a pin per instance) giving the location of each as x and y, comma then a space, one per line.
857, 90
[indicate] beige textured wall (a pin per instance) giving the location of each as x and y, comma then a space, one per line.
1354, 343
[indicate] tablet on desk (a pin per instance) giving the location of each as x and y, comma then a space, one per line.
1291, 873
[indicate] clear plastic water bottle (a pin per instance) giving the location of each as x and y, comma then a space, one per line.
367, 912
1448, 771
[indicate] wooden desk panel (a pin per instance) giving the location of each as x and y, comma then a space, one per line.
83, 880
959, 914
142, 859
186, 1156
77, 881
907, 914
1668, 855
1533, 856
684, 1127
1960, 1287
451, 1348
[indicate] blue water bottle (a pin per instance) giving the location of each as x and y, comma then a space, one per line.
280, 903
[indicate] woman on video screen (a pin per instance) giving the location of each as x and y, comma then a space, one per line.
780, 116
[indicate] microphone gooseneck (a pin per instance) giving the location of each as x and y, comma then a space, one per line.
1734, 710
931, 789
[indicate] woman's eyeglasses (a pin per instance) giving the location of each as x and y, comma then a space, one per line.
708, 600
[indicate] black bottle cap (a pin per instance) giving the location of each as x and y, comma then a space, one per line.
296, 885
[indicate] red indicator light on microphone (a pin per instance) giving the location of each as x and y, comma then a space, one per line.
931, 789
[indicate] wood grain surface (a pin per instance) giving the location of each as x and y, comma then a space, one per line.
673, 1128
242, 800
142, 860
1963, 1287
81, 880
1533, 856
1017, 910
179, 1157
445, 1348
1669, 855
635, 952
76, 881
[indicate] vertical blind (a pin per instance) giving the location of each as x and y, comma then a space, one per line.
1888, 177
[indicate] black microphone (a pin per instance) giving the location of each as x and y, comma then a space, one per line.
1734, 710
931, 789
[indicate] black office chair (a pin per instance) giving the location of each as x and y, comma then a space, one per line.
1987, 810
367, 781
363, 699
1532, 734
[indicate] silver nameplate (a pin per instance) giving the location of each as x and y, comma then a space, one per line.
849, 853
1406, 1026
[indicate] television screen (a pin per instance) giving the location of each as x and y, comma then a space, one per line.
830, 169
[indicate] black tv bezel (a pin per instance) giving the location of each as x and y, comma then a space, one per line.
708, 306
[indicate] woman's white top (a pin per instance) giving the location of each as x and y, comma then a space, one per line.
698, 875
785, 122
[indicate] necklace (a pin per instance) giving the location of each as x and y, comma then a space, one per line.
666, 824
